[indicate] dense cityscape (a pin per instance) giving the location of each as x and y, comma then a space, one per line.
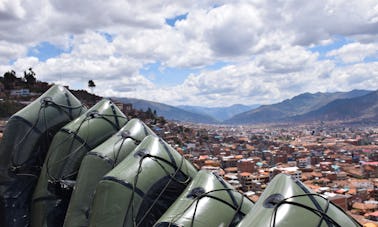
336, 160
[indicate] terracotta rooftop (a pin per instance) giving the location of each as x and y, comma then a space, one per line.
370, 163
245, 174
375, 213
231, 169
364, 206
203, 157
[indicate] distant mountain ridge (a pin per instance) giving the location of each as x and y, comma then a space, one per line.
355, 105
358, 109
219, 113
291, 109
167, 111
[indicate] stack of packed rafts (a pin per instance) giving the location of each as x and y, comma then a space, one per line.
62, 164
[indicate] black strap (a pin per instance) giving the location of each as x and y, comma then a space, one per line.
115, 114
77, 137
228, 191
144, 127
24, 169
103, 157
168, 152
314, 201
68, 104
33, 127
126, 184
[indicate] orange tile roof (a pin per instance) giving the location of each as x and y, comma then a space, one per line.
231, 169
203, 157
245, 174
352, 191
375, 213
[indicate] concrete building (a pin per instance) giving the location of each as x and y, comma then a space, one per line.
370, 169
20, 92
246, 165
294, 172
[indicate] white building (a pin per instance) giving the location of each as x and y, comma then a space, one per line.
294, 172
20, 92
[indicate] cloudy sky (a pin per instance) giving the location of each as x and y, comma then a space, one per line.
194, 52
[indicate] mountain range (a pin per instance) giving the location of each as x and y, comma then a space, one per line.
219, 113
169, 112
290, 108
357, 109
352, 106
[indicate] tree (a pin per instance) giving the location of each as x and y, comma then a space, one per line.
9, 79
91, 85
30, 77
149, 112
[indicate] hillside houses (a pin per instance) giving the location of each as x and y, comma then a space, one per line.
328, 162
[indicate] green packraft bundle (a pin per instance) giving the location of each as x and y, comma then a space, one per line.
142, 187
207, 201
27, 137
97, 163
287, 202
69, 146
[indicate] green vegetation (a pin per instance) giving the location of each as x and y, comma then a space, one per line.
91, 85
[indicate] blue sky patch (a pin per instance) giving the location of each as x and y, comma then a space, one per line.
371, 59
172, 21
216, 5
107, 36
169, 76
217, 65
166, 76
44, 51
338, 42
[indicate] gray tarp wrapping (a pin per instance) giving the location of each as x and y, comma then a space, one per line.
287, 202
207, 201
70, 144
27, 136
142, 187
96, 164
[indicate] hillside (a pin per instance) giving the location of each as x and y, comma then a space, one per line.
298, 105
362, 108
167, 111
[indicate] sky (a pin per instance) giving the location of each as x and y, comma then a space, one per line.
194, 52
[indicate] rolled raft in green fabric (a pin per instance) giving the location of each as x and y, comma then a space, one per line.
286, 203
69, 146
97, 163
25, 142
207, 201
142, 187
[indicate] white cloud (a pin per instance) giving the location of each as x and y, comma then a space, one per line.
358, 76
11, 9
355, 52
288, 59
259, 81
319, 20
10, 51
233, 29
264, 43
